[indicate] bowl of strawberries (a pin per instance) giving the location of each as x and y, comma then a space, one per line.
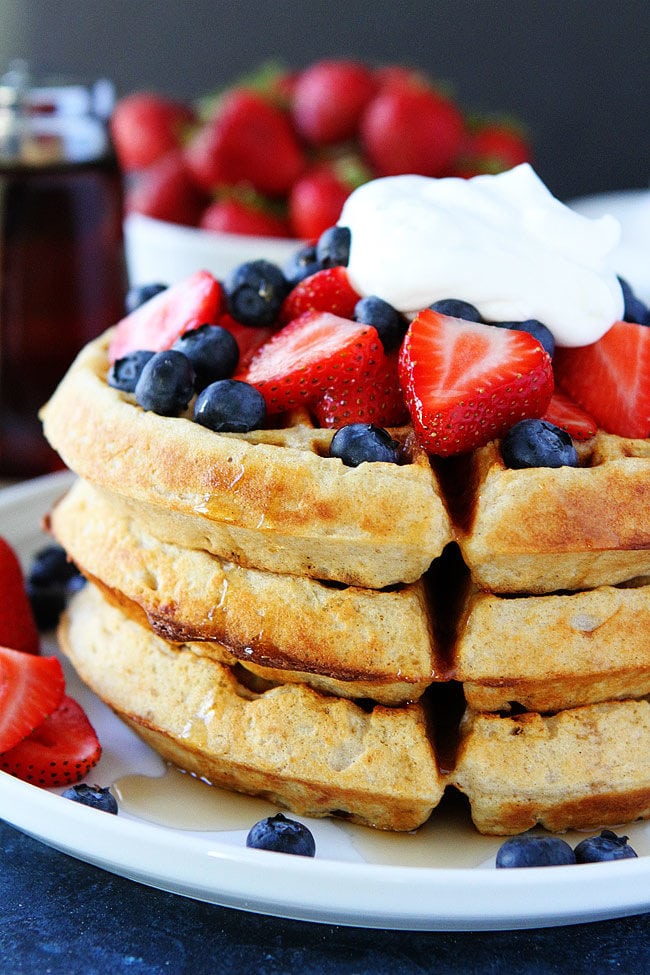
266, 164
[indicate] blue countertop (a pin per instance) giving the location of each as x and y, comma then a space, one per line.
61, 915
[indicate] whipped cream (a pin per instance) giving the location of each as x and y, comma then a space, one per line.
503, 243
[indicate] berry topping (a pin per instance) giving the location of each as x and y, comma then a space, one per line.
92, 795
372, 395
333, 247
60, 751
255, 291
466, 383
157, 324
18, 628
282, 835
607, 846
229, 405
455, 308
166, 383
539, 331
125, 372
31, 688
139, 294
610, 379
213, 352
327, 290
635, 309
564, 413
360, 442
391, 325
534, 851
51, 579
536, 443
302, 264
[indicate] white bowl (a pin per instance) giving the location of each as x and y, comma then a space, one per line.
157, 251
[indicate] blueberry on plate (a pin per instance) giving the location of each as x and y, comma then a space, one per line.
359, 442
455, 308
50, 579
333, 247
141, 293
125, 372
282, 835
230, 406
537, 329
255, 291
607, 846
166, 383
390, 324
92, 795
301, 265
534, 851
213, 352
537, 443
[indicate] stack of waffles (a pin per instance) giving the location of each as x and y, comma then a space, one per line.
354, 641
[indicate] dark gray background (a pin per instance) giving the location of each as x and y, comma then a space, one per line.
577, 72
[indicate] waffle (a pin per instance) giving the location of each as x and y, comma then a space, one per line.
271, 499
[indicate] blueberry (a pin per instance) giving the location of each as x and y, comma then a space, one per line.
230, 406
391, 325
282, 835
125, 372
50, 580
635, 310
539, 331
457, 309
92, 795
50, 565
534, 851
213, 352
255, 291
333, 247
359, 442
47, 604
166, 383
141, 293
301, 265
537, 443
607, 846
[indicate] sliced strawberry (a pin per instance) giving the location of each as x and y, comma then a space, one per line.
17, 625
248, 339
326, 290
31, 688
371, 397
466, 383
60, 751
567, 415
157, 324
313, 354
611, 379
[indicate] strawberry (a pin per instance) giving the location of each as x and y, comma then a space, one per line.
248, 338
157, 324
610, 379
494, 146
374, 396
317, 197
465, 383
249, 140
327, 290
60, 751
412, 129
567, 415
145, 125
238, 216
31, 688
315, 353
18, 628
165, 191
329, 98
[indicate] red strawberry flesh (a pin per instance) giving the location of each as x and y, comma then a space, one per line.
31, 688
18, 628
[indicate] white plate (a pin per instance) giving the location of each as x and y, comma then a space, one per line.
441, 879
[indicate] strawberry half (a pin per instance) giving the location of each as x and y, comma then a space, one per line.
611, 379
466, 383
60, 751
17, 625
371, 397
31, 688
326, 290
568, 416
157, 324
314, 353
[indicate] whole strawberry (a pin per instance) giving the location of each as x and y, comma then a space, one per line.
144, 126
329, 98
165, 191
243, 216
17, 625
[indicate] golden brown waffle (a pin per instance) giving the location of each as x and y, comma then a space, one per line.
313, 753
272, 499
354, 642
